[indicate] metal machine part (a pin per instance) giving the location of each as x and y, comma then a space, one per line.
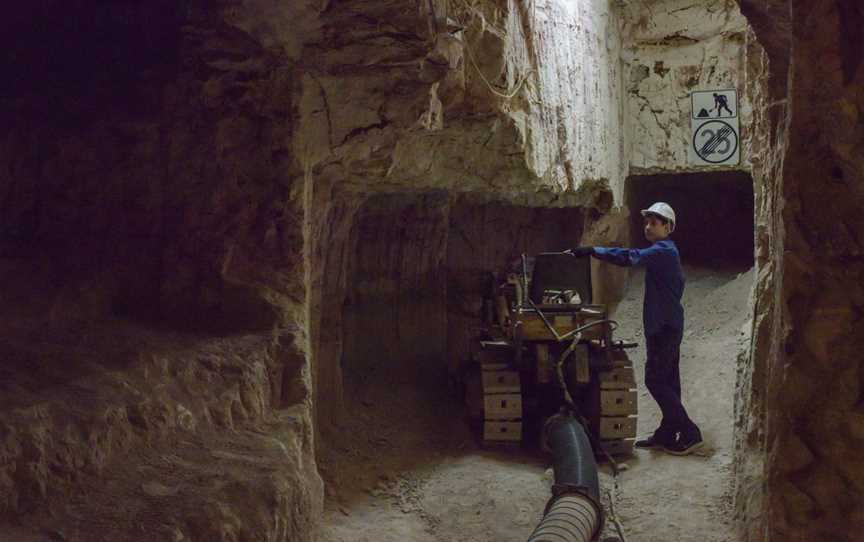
547, 366
554, 348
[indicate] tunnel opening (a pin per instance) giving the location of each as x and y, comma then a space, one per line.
714, 212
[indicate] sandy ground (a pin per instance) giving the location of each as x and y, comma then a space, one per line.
406, 468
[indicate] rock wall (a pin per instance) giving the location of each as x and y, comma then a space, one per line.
147, 171
670, 49
168, 179
805, 411
505, 129
573, 118
395, 310
469, 110
454, 100
749, 466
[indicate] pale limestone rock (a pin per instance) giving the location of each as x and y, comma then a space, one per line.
671, 48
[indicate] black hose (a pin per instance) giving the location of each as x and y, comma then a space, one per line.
574, 513
573, 458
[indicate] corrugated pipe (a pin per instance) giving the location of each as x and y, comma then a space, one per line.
574, 513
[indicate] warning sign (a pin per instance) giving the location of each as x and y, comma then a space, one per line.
714, 126
714, 104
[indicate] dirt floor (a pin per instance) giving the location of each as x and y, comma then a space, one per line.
406, 467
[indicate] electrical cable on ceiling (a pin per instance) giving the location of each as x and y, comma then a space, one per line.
492, 89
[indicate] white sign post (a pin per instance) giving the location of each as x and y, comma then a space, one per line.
714, 128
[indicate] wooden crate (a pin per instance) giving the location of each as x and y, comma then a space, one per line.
504, 406
494, 367
623, 378
507, 431
618, 447
501, 382
617, 402
492, 352
533, 328
617, 427
619, 359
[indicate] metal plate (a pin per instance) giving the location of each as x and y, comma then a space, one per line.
581, 366
494, 367
494, 352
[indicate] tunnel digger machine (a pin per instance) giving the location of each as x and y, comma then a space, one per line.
545, 347
545, 368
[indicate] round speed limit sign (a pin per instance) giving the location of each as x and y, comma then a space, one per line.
715, 141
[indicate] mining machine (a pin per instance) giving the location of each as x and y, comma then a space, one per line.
544, 348
546, 368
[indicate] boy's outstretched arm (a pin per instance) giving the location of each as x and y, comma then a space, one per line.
627, 257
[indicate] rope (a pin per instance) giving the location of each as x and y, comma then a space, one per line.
611, 516
612, 494
492, 89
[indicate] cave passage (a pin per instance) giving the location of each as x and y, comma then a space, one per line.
714, 212
417, 268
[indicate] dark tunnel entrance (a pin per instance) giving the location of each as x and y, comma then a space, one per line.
714, 213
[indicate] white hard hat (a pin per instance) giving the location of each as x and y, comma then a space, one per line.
661, 209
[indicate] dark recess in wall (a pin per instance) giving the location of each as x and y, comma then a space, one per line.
394, 311
419, 269
65, 61
714, 211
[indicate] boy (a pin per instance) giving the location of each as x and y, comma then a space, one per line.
663, 319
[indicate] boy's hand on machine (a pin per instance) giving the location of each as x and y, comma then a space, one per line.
580, 252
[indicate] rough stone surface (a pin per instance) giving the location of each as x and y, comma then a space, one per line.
152, 252
453, 126
670, 49
805, 407
96, 418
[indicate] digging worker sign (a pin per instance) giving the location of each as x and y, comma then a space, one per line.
714, 128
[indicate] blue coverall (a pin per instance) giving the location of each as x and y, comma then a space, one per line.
663, 319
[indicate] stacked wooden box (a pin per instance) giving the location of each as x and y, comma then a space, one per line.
618, 407
502, 399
